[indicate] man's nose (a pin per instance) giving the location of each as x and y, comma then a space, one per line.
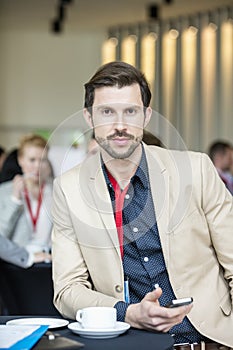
120, 122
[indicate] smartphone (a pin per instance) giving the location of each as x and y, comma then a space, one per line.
180, 302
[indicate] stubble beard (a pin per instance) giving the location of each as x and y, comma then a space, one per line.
105, 145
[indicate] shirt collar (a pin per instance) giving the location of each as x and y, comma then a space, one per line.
141, 173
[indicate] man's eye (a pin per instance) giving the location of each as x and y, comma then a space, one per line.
107, 111
130, 111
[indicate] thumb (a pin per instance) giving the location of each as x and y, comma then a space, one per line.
154, 295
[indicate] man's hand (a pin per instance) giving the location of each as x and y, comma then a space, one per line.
148, 314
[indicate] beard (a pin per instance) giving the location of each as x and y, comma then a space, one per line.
105, 144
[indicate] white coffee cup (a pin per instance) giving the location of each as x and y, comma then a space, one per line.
97, 317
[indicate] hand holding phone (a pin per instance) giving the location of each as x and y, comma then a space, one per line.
180, 302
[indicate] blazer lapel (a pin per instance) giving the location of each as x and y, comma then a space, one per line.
171, 185
164, 197
159, 183
101, 198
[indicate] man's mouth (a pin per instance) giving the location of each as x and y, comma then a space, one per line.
120, 136
120, 140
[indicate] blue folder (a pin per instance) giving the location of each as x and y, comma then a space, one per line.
28, 342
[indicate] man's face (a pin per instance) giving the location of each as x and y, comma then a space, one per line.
118, 119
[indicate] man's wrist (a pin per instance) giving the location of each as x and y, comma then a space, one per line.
121, 308
130, 316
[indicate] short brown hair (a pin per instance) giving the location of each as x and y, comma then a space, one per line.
118, 74
31, 140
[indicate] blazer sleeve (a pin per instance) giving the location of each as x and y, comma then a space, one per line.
217, 204
73, 288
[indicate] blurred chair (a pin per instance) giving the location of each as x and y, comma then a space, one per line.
151, 139
2, 157
27, 291
10, 167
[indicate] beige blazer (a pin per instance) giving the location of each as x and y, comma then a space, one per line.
195, 219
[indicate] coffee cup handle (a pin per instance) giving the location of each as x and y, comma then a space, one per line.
79, 316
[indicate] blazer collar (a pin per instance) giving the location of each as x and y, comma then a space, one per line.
99, 194
159, 183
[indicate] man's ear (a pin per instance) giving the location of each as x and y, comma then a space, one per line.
88, 117
147, 116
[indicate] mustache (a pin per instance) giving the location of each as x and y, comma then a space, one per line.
120, 134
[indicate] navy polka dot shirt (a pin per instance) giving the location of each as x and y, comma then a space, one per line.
143, 261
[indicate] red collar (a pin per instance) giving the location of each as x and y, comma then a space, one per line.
119, 203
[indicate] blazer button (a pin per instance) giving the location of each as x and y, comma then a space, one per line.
118, 288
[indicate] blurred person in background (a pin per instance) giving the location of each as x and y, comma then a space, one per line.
20, 256
2, 157
231, 167
220, 153
25, 201
10, 166
151, 139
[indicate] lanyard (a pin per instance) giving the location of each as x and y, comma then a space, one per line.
34, 218
119, 203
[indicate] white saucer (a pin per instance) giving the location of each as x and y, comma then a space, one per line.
121, 327
51, 322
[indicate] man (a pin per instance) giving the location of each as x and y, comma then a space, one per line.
220, 153
127, 218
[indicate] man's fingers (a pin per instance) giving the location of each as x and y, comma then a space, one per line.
154, 295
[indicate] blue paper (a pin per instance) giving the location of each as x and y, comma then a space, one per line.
28, 342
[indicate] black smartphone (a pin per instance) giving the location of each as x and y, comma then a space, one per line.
180, 302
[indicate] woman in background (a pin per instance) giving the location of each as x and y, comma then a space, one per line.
25, 201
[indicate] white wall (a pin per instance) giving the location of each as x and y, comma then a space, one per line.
42, 74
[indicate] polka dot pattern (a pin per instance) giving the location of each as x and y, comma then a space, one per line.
143, 260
